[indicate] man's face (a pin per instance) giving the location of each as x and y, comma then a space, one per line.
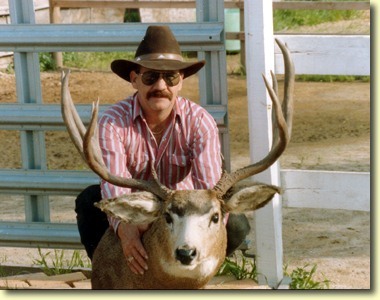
156, 90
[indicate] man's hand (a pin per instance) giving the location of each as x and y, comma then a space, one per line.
135, 254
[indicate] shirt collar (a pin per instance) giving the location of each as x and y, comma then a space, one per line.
177, 109
137, 111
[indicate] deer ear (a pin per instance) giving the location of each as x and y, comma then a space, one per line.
251, 198
136, 208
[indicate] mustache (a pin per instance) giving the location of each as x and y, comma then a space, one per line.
160, 94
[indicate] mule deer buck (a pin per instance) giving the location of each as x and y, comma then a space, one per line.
186, 242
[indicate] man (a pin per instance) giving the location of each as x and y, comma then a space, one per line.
155, 125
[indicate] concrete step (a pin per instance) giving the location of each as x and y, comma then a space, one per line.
42, 281
78, 280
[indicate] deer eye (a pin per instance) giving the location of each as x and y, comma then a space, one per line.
168, 218
215, 218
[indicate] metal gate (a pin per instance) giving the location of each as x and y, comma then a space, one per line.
32, 118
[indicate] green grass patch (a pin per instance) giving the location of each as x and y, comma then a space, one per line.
96, 61
302, 278
286, 18
55, 263
332, 78
99, 61
239, 267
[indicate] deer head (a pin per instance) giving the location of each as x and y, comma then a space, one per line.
188, 231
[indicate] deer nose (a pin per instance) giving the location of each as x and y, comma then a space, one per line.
185, 255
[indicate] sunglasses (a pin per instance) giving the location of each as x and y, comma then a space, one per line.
151, 77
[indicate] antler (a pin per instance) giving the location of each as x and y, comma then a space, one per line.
282, 126
86, 142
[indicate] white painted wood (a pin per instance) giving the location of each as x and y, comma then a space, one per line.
258, 26
327, 54
326, 189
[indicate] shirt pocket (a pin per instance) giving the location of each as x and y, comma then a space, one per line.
138, 163
179, 160
179, 169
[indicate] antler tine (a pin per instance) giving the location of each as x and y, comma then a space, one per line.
157, 181
74, 113
275, 89
282, 122
72, 120
274, 82
75, 131
289, 80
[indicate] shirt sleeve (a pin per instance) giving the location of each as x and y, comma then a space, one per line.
207, 159
111, 141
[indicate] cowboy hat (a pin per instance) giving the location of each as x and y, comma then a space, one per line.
159, 50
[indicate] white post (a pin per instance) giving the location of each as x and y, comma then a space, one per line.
259, 43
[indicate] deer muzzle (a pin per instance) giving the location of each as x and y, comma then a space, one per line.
185, 255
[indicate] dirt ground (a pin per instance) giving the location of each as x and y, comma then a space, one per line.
331, 132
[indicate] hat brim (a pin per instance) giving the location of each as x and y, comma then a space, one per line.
123, 67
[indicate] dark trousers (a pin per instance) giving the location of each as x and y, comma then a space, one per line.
92, 222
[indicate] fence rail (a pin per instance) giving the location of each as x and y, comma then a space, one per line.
49, 182
39, 235
49, 117
105, 37
327, 54
293, 5
327, 189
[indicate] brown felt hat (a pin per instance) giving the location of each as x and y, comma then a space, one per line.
159, 50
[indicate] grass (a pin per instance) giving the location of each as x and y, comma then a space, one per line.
302, 278
99, 61
2, 261
55, 263
239, 267
286, 19
332, 78
93, 60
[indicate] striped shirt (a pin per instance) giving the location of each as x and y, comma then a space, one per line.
188, 156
